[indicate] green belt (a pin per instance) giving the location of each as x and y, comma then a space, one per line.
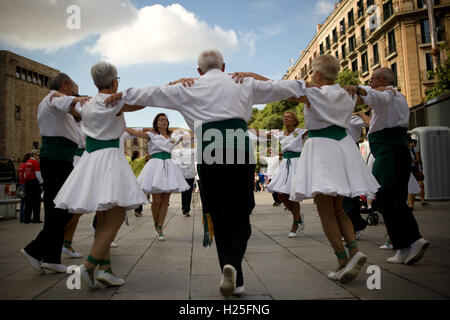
58, 148
332, 132
94, 144
386, 146
80, 152
161, 155
289, 155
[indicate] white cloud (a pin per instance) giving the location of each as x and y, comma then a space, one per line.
162, 34
324, 7
41, 24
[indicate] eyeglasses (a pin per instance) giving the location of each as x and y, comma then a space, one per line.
118, 79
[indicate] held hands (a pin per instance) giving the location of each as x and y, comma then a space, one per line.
81, 100
385, 88
351, 90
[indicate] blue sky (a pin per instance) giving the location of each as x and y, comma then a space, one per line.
154, 42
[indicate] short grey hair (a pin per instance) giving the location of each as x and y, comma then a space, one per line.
210, 59
327, 65
387, 74
103, 74
57, 82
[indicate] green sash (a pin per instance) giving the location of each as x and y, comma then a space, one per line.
161, 155
289, 155
389, 147
94, 144
79, 152
58, 148
332, 132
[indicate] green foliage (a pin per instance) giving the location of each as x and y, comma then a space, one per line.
348, 77
442, 76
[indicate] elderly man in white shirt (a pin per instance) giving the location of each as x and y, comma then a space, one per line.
184, 157
215, 101
392, 167
59, 143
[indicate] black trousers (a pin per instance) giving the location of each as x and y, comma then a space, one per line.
353, 209
47, 245
32, 201
230, 203
186, 196
391, 199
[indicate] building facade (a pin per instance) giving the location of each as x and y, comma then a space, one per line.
367, 34
23, 84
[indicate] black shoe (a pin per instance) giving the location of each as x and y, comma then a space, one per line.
187, 214
276, 204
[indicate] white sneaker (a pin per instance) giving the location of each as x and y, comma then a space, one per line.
292, 234
353, 267
114, 245
334, 275
399, 257
238, 291
109, 279
35, 264
71, 254
359, 234
86, 278
387, 246
56, 267
228, 282
416, 251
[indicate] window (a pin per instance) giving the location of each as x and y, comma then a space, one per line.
376, 57
46, 82
337, 55
351, 18
40, 79
335, 35
30, 76
364, 62
344, 53
425, 31
321, 49
24, 74
135, 141
351, 44
342, 26
421, 4
429, 61
355, 65
388, 10
18, 72
370, 3
35, 77
327, 43
363, 34
394, 69
360, 5
391, 42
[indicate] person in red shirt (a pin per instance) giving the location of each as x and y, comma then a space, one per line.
33, 179
20, 174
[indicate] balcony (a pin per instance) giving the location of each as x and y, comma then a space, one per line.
360, 16
310, 71
374, 63
390, 52
361, 43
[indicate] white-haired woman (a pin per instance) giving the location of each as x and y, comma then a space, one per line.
102, 181
161, 176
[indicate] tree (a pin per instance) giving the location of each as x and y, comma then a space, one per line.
348, 77
442, 76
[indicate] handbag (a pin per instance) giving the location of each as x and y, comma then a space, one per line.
20, 191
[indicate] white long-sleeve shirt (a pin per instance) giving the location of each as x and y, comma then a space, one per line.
54, 119
356, 124
389, 110
185, 159
215, 96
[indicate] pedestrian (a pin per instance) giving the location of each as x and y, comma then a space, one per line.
392, 167
137, 163
20, 174
59, 143
291, 142
185, 158
330, 166
215, 101
109, 187
33, 181
160, 176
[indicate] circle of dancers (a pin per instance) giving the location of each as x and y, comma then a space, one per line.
84, 169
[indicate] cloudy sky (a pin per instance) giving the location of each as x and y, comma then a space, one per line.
154, 42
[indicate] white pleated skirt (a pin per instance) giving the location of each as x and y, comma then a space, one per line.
413, 185
282, 178
100, 181
332, 167
162, 176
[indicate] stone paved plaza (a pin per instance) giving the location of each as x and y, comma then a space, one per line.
275, 266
